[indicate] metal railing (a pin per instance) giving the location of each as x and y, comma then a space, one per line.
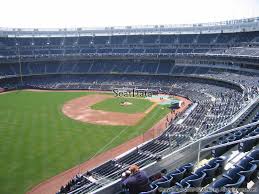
225, 144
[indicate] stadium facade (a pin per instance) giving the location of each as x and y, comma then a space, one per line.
215, 65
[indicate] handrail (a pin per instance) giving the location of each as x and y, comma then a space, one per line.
219, 134
229, 143
228, 131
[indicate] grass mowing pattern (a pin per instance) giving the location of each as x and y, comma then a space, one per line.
114, 105
37, 141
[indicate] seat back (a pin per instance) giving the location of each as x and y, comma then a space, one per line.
247, 145
219, 151
196, 181
231, 138
232, 172
162, 179
221, 182
245, 163
236, 184
248, 172
221, 161
177, 174
153, 191
211, 171
189, 168
254, 154
164, 184
238, 135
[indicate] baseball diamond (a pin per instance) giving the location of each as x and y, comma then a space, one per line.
32, 108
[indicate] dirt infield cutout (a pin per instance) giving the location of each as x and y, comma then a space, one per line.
80, 109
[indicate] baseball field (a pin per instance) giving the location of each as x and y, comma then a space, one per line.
38, 141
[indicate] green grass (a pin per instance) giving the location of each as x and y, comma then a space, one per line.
114, 105
37, 141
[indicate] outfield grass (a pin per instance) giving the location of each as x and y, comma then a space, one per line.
37, 141
114, 105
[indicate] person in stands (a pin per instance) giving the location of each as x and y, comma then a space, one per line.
135, 180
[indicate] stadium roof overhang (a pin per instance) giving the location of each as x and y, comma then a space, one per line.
242, 25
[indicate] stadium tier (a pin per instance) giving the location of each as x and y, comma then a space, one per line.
127, 44
216, 67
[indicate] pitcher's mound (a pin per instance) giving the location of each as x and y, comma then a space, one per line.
125, 103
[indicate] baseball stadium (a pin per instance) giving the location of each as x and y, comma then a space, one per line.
179, 104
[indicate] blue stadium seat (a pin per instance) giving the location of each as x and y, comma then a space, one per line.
153, 191
165, 184
244, 131
221, 182
162, 182
189, 168
211, 169
219, 151
229, 182
247, 145
256, 130
238, 135
162, 179
209, 172
194, 180
254, 154
231, 138
239, 170
237, 181
254, 157
245, 163
221, 161
177, 174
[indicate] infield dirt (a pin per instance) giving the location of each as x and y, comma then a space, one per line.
80, 109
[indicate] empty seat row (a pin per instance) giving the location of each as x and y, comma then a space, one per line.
183, 178
238, 176
230, 137
179, 181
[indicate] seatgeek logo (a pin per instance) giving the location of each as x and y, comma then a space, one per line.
132, 93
